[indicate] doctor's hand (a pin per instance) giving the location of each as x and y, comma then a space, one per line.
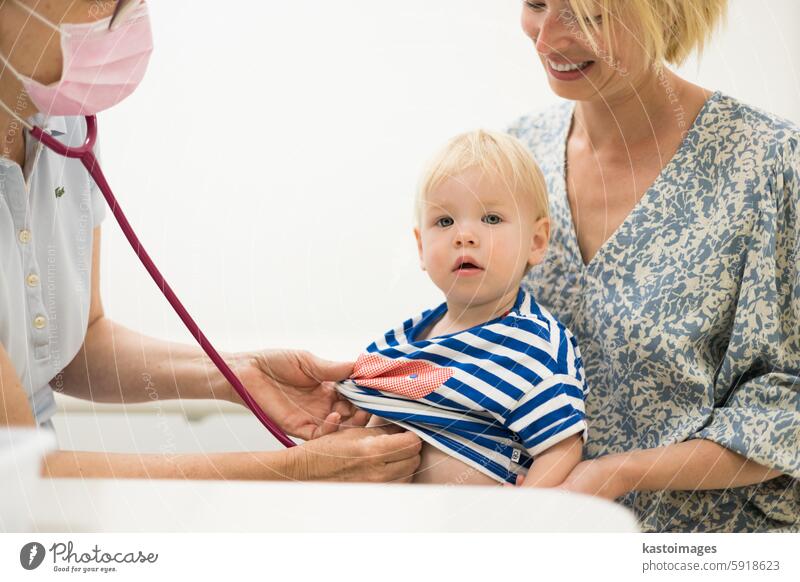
295, 388
374, 455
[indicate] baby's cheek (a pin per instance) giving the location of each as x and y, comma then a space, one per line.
506, 262
435, 259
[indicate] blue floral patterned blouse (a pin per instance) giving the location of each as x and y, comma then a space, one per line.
688, 317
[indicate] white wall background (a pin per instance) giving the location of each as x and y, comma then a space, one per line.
269, 159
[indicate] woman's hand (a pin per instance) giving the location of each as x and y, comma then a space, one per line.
295, 388
602, 477
360, 454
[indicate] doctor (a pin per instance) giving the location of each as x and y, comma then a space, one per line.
54, 335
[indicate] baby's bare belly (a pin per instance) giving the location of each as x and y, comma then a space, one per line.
439, 468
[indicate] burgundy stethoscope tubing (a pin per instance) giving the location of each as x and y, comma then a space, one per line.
86, 155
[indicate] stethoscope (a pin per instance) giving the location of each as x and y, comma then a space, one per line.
86, 155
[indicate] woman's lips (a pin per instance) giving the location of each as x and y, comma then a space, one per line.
568, 75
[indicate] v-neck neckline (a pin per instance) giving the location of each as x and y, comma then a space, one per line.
643, 201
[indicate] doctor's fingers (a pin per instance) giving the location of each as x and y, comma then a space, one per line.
330, 425
323, 370
335, 421
390, 448
402, 471
358, 419
343, 407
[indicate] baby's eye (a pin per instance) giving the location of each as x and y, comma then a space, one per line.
445, 221
492, 219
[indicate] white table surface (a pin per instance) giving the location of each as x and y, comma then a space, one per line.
75, 505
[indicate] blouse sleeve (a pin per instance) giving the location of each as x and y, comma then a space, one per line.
757, 390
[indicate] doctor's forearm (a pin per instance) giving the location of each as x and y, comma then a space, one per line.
117, 364
268, 466
14, 407
694, 464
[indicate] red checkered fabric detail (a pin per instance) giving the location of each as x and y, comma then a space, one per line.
410, 378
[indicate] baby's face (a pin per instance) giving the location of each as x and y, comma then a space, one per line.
476, 238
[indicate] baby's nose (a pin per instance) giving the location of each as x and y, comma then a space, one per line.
466, 238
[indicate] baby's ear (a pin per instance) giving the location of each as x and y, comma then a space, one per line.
418, 236
540, 239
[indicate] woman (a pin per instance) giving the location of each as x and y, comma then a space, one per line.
673, 260
53, 332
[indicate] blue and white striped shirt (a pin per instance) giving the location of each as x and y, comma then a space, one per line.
493, 396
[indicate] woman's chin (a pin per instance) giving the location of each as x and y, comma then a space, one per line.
573, 90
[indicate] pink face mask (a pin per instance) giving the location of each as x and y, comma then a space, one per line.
100, 67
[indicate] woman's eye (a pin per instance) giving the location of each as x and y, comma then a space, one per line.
492, 219
536, 6
444, 221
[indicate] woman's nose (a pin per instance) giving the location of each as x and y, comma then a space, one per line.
555, 33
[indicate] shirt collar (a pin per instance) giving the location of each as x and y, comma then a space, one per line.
53, 125
56, 126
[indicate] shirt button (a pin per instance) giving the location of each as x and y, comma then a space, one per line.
32, 280
39, 322
24, 236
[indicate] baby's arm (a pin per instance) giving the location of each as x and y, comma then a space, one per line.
552, 467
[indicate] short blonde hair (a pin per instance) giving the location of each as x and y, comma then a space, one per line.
490, 151
669, 30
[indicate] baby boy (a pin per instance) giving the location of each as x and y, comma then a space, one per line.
490, 381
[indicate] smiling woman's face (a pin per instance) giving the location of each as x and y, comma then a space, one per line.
575, 69
35, 48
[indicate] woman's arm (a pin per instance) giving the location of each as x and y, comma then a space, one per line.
694, 464
116, 364
270, 466
365, 455
14, 407
691, 465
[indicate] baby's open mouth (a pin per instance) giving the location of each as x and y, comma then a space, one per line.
466, 264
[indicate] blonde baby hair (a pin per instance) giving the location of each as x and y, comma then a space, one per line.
490, 151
